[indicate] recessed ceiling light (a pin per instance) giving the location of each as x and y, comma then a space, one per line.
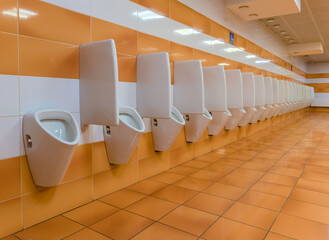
276, 25
223, 64
251, 56
253, 15
283, 32
244, 7
270, 20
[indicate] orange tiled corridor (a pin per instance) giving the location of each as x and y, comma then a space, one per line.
272, 185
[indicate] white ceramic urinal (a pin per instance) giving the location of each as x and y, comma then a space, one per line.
166, 130
234, 97
189, 98
50, 138
99, 103
248, 98
281, 97
216, 98
121, 141
154, 99
259, 98
276, 97
196, 124
268, 99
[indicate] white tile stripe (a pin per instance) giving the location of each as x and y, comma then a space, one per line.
136, 17
317, 80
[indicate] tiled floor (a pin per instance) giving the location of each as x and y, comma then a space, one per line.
273, 185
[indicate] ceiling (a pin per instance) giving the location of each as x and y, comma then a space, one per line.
311, 25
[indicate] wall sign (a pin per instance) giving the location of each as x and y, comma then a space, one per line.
232, 38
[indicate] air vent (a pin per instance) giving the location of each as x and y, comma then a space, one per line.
305, 49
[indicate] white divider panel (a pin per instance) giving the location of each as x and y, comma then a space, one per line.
286, 91
98, 84
291, 92
153, 85
276, 90
215, 88
248, 89
268, 90
234, 88
281, 91
259, 90
189, 87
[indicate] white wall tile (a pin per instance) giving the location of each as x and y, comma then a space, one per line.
122, 12
9, 96
182, 34
80, 6
85, 136
42, 92
97, 133
9, 137
127, 94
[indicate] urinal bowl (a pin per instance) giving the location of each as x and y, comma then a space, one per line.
50, 138
165, 131
237, 114
258, 114
121, 140
276, 110
218, 122
266, 113
250, 112
195, 125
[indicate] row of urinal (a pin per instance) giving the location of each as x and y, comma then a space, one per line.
232, 98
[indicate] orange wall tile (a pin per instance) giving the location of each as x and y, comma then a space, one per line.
54, 23
10, 217
151, 44
8, 23
10, 178
320, 87
151, 166
48, 59
159, 6
202, 23
181, 13
179, 52
127, 66
9, 54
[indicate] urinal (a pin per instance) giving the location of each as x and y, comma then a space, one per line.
218, 122
216, 98
248, 98
234, 97
268, 113
165, 131
196, 124
121, 140
50, 138
259, 98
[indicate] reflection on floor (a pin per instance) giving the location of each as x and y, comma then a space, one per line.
272, 185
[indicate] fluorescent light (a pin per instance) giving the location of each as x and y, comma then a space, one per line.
262, 61
186, 31
233, 49
148, 15
23, 13
223, 64
213, 42
251, 56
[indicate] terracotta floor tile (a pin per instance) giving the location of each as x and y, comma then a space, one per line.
91, 213
317, 176
122, 198
256, 166
195, 164
290, 164
189, 220
230, 162
272, 188
147, 186
226, 229
220, 169
252, 215
248, 173
238, 156
160, 231
307, 210
207, 175
299, 228
182, 170
195, 184
313, 185
320, 169
175, 194
263, 200
122, 225
210, 157
238, 181
86, 234
12, 237
209, 203
309, 196
279, 179
319, 162
275, 236
151, 207
292, 172
167, 177
55, 228
226, 191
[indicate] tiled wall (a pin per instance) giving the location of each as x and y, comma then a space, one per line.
320, 82
39, 69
